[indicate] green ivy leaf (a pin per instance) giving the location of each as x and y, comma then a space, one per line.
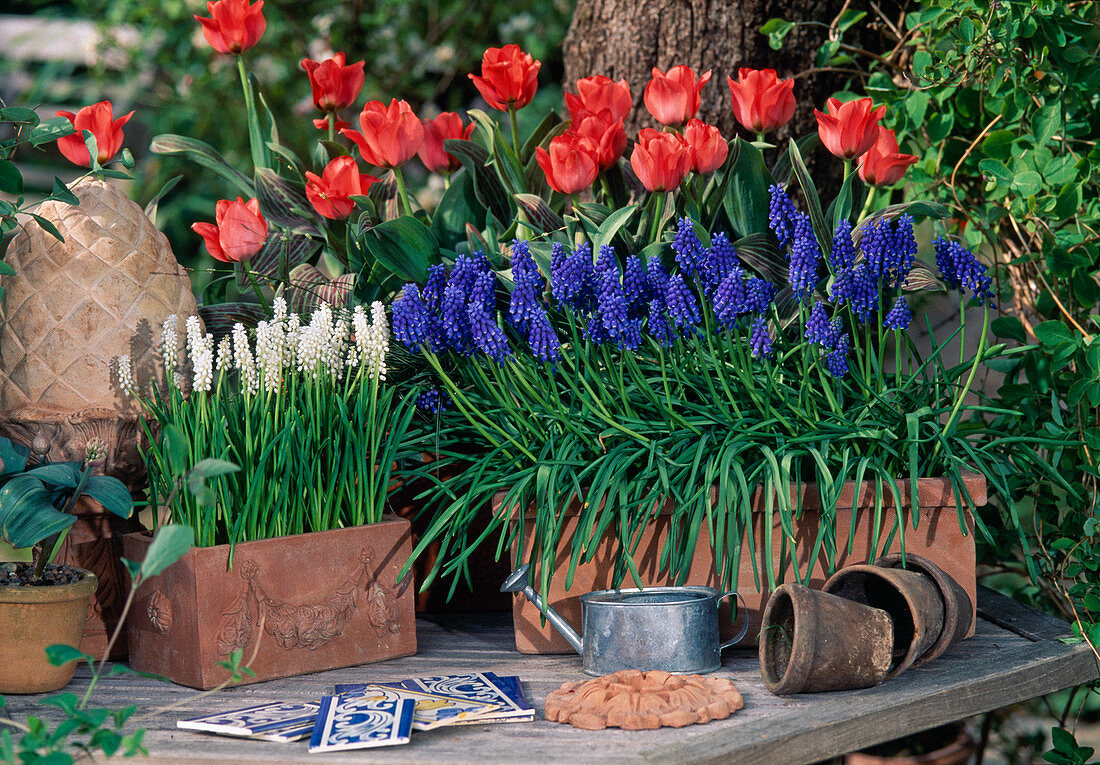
59, 654
11, 180
169, 545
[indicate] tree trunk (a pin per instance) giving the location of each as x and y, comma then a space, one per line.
625, 39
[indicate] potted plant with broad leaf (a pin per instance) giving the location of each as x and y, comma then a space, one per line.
42, 604
306, 411
698, 412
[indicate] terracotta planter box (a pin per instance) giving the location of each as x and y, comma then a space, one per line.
302, 603
937, 537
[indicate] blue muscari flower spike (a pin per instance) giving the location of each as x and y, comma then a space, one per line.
433, 288
843, 253
526, 299
720, 258
558, 254
900, 316
434, 401
761, 293
760, 339
837, 360
575, 287
843, 286
864, 299
636, 287
818, 329
544, 342
961, 270
836, 329
781, 214
410, 318
487, 335
877, 247
455, 318
683, 308
656, 278
606, 259
688, 248
803, 258
659, 325
612, 312
731, 299
905, 249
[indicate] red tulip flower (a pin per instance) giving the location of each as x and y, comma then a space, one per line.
761, 101
99, 120
509, 78
660, 160
849, 129
595, 94
238, 233
331, 192
321, 123
707, 148
234, 26
335, 84
602, 135
391, 135
673, 97
882, 165
569, 165
447, 126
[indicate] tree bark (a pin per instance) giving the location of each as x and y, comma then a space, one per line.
625, 39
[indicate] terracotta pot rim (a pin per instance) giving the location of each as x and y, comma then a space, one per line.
51, 593
147, 535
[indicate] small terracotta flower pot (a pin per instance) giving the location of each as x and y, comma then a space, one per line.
957, 609
812, 641
910, 598
34, 618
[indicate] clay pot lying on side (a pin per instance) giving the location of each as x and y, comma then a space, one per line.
812, 641
910, 598
33, 618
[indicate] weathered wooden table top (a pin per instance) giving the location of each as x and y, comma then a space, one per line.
1015, 655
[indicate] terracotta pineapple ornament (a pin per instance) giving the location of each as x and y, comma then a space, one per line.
71, 309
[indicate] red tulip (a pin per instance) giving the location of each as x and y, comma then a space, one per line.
882, 165
331, 192
99, 120
335, 85
707, 148
849, 129
673, 97
447, 126
391, 135
761, 101
569, 166
235, 25
595, 94
238, 233
321, 123
509, 78
660, 160
604, 137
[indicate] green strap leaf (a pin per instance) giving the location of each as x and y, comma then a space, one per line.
203, 154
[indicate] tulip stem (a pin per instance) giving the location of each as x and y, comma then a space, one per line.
401, 190
658, 212
866, 205
259, 152
255, 285
515, 130
332, 126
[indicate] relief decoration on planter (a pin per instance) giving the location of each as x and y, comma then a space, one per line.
306, 626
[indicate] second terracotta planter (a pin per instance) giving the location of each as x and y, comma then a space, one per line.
292, 605
938, 537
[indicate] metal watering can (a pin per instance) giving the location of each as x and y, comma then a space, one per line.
669, 628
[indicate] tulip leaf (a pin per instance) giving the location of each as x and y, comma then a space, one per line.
758, 252
220, 317
154, 203
550, 126
487, 184
813, 202
746, 200
921, 279
63, 474
404, 245
27, 515
612, 225
49, 227
841, 207
539, 215
13, 456
281, 252
202, 154
283, 202
458, 206
309, 288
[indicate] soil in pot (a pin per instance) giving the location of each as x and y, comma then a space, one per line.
22, 575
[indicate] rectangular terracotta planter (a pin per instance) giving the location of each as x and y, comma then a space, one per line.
310, 602
937, 537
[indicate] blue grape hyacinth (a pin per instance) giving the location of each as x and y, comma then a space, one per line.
434, 401
487, 336
683, 308
961, 270
544, 342
899, 316
526, 299
803, 258
410, 318
689, 250
843, 254
836, 361
760, 339
818, 328
781, 212
731, 299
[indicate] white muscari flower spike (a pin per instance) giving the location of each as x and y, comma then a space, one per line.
378, 342
169, 342
225, 354
126, 375
312, 345
360, 327
337, 354
278, 309
290, 341
269, 354
243, 360
179, 381
202, 363
194, 334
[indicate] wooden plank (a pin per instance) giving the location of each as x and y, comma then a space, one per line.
995, 668
1016, 617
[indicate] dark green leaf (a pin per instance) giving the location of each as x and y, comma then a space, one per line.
281, 253
111, 493
48, 226
19, 115
220, 318
759, 252
154, 203
746, 201
59, 654
611, 226
809, 192
11, 180
212, 468
776, 30
309, 288
1010, 327
169, 545
66, 474
458, 206
27, 515
487, 185
404, 245
50, 130
538, 214
1053, 333
62, 194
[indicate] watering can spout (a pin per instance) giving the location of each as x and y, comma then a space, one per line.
517, 582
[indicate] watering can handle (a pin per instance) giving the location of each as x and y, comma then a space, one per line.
744, 622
